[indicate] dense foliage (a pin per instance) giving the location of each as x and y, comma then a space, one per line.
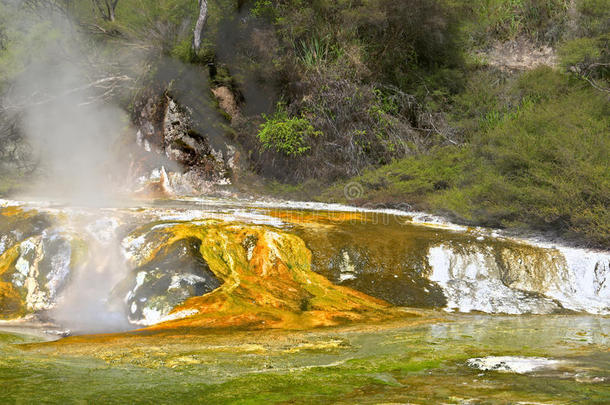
524, 150
287, 135
544, 165
402, 95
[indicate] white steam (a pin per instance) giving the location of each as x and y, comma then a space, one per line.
87, 305
65, 109
71, 131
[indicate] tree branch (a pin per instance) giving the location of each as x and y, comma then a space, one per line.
200, 25
108, 85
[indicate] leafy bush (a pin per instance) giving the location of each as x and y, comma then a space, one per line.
264, 9
581, 50
355, 69
286, 135
594, 17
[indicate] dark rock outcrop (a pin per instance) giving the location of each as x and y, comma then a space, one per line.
167, 131
177, 273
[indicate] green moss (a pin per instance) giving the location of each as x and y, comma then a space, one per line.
394, 365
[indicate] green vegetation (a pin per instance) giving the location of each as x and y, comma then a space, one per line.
406, 365
393, 94
286, 135
541, 165
406, 103
501, 20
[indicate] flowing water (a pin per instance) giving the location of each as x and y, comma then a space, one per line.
274, 301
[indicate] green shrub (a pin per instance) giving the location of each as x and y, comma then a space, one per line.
594, 17
184, 51
588, 59
264, 9
286, 135
581, 50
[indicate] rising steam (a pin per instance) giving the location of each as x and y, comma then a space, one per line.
69, 124
88, 306
64, 105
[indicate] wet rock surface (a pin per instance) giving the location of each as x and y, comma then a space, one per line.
461, 270
401, 283
177, 273
513, 364
35, 263
228, 265
517, 279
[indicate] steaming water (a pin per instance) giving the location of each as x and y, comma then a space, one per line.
530, 278
86, 307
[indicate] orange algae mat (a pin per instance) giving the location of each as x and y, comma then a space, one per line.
266, 275
267, 283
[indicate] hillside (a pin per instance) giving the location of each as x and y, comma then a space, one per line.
490, 112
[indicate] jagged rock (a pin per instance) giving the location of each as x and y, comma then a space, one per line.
148, 118
172, 133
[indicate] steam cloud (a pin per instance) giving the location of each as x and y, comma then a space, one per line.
72, 134
72, 131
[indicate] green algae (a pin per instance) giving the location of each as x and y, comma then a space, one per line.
415, 364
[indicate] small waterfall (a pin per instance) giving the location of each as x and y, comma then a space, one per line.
521, 279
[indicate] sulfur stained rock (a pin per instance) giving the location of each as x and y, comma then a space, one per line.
35, 264
266, 276
11, 303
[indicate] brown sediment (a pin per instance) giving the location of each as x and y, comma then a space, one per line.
318, 217
12, 303
155, 189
